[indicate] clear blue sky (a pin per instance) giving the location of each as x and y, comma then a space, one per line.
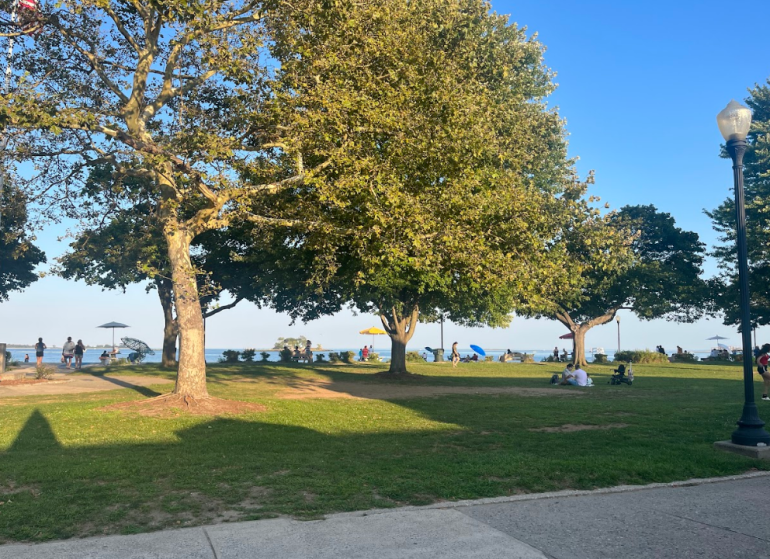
640, 84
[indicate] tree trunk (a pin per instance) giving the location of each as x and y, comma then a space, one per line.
397, 355
191, 375
170, 326
579, 346
400, 330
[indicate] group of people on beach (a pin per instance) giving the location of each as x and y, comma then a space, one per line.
365, 352
69, 351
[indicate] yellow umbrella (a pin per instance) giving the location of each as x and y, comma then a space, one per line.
373, 331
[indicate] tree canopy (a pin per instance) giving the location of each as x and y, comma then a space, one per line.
757, 202
656, 274
18, 253
450, 187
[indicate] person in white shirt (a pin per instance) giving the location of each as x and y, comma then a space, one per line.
579, 377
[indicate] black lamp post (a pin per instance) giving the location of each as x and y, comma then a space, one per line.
617, 319
734, 123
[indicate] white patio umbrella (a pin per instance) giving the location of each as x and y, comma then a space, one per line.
717, 338
113, 325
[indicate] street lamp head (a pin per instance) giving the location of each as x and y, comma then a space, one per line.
734, 121
617, 318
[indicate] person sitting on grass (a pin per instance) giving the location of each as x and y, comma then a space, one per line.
762, 371
578, 378
567, 373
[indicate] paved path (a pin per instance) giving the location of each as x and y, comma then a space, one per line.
727, 518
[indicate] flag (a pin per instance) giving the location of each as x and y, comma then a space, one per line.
29, 18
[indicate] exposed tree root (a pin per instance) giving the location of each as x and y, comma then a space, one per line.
169, 405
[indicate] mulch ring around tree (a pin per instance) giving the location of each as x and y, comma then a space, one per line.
173, 405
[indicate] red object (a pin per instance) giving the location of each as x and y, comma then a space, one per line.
567, 336
28, 4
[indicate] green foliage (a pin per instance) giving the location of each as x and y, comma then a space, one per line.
757, 193
489, 358
639, 356
265, 356
599, 358
334, 357
291, 342
374, 357
44, 372
319, 358
644, 264
18, 255
414, 357
230, 356
248, 355
528, 358
347, 356
684, 358
286, 355
450, 186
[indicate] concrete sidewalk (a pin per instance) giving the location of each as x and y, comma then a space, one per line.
710, 519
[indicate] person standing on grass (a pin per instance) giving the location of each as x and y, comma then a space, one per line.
68, 351
762, 361
455, 355
40, 347
80, 349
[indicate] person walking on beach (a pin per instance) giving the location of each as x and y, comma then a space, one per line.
40, 347
455, 355
80, 349
68, 351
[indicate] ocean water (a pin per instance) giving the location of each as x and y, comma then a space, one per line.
213, 355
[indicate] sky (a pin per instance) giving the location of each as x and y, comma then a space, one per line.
640, 84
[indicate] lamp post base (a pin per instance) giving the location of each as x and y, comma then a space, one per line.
750, 431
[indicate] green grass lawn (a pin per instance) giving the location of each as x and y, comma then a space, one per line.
68, 468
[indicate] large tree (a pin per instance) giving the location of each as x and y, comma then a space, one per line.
450, 186
124, 244
173, 92
18, 254
757, 193
660, 277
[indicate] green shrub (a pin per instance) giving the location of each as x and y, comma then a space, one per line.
248, 354
685, 357
374, 357
414, 356
600, 358
44, 371
640, 356
528, 358
319, 358
334, 357
286, 355
549, 359
265, 356
347, 356
488, 358
229, 356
